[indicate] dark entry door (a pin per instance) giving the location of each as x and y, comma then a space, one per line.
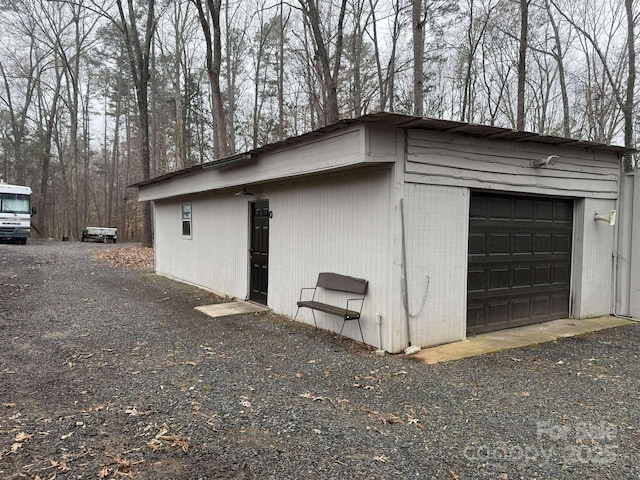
259, 251
519, 260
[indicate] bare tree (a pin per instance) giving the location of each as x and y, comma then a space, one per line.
628, 107
329, 73
623, 92
48, 117
386, 76
522, 63
18, 114
475, 33
558, 54
418, 20
139, 51
209, 16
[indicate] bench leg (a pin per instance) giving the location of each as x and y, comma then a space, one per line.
312, 313
342, 328
359, 326
361, 335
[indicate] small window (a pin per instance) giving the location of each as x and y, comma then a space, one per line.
186, 220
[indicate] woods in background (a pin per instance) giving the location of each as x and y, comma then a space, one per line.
95, 96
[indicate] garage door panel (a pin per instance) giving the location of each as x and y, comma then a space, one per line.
500, 208
559, 306
519, 260
478, 209
541, 275
477, 244
475, 281
562, 243
563, 212
475, 316
561, 274
499, 279
541, 307
544, 210
498, 313
543, 243
522, 243
521, 277
523, 209
500, 243
521, 310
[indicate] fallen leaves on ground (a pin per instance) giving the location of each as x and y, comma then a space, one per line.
123, 468
134, 412
135, 257
313, 397
164, 436
21, 437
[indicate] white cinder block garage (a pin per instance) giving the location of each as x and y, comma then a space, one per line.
458, 228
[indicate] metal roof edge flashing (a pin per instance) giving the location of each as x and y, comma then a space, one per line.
229, 161
398, 120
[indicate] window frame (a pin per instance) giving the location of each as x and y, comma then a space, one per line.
186, 218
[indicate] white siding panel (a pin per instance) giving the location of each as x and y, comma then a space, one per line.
216, 255
634, 280
336, 223
593, 249
628, 291
436, 231
625, 245
449, 159
339, 150
382, 144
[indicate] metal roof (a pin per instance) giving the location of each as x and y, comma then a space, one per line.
400, 121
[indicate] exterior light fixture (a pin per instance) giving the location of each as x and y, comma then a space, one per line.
550, 160
243, 193
609, 218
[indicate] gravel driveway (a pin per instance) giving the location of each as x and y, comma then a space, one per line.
108, 372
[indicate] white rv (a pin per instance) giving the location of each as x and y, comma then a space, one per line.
15, 213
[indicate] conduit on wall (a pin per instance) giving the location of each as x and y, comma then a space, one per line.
405, 282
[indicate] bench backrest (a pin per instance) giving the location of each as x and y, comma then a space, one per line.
343, 283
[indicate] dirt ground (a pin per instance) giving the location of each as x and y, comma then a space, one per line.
107, 371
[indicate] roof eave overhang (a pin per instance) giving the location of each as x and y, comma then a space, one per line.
399, 121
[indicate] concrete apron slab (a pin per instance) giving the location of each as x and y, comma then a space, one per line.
515, 338
233, 308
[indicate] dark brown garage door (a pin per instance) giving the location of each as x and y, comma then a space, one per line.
519, 260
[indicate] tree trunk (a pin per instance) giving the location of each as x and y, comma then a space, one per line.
281, 130
418, 57
522, 64
139, 56
627, 109
559, 57
329, 75
213, 46
43, 208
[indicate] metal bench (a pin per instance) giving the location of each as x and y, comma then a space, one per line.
341, 283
